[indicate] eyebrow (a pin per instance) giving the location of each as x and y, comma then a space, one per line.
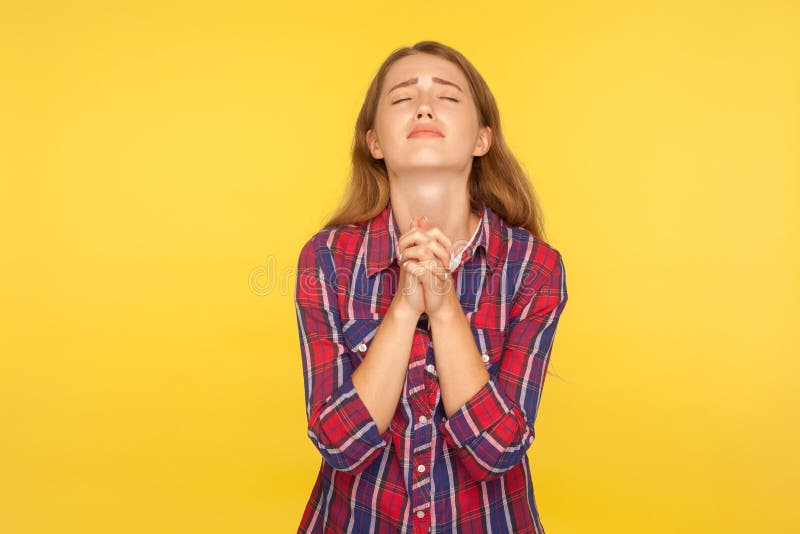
412, 81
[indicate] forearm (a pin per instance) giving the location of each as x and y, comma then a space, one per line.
379, 378
459, 366
484, 429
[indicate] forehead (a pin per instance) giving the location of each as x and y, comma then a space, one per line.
424, 66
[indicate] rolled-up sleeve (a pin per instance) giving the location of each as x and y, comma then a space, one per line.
493, 430
339, 424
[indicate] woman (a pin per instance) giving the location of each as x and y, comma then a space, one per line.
426, 309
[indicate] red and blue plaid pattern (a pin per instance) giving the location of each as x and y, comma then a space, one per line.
427, 472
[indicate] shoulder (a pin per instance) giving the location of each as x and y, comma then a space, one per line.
332, 242
526, 252
537, 269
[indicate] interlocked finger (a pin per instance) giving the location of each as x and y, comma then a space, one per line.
431, 250
421, 269
421, 236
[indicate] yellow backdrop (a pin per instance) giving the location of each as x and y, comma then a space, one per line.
162, 164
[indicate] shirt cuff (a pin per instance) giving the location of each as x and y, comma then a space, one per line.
480, 413
348, 424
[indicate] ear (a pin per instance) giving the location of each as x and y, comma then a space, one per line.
484, 141
372, 143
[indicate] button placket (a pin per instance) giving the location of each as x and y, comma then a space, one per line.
420, 386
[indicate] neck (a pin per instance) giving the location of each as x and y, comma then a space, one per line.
446, 205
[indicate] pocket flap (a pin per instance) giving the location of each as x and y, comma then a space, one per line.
490, 342
358, 332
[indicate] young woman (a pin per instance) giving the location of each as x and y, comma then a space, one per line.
427, 308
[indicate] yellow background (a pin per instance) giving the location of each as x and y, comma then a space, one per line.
162, 165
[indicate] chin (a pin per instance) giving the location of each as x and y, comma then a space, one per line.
434, 164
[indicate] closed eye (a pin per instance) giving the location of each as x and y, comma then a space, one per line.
444, 97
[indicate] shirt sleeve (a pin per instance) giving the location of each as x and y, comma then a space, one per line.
493, 430
339, 424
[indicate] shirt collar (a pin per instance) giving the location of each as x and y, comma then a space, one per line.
383, 234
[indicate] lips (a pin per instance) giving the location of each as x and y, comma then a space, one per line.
425, 131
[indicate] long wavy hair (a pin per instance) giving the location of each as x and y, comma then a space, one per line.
496, 178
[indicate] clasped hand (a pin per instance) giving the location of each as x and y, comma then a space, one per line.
426, 282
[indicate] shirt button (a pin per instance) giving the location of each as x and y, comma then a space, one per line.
421, 468
485, 357
421, 513
362, 347
430, 367
423, 419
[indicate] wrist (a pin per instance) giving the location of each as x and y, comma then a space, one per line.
403, 312
449, 312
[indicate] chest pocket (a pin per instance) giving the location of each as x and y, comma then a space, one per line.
357, 333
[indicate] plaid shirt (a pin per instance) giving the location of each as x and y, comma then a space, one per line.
426, 472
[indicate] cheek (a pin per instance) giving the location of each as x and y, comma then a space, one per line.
460, 121
465, 136
389, 126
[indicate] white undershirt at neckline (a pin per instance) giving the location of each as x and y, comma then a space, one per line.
455, 260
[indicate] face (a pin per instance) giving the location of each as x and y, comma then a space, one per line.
429, 92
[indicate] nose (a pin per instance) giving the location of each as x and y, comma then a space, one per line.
424, 107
